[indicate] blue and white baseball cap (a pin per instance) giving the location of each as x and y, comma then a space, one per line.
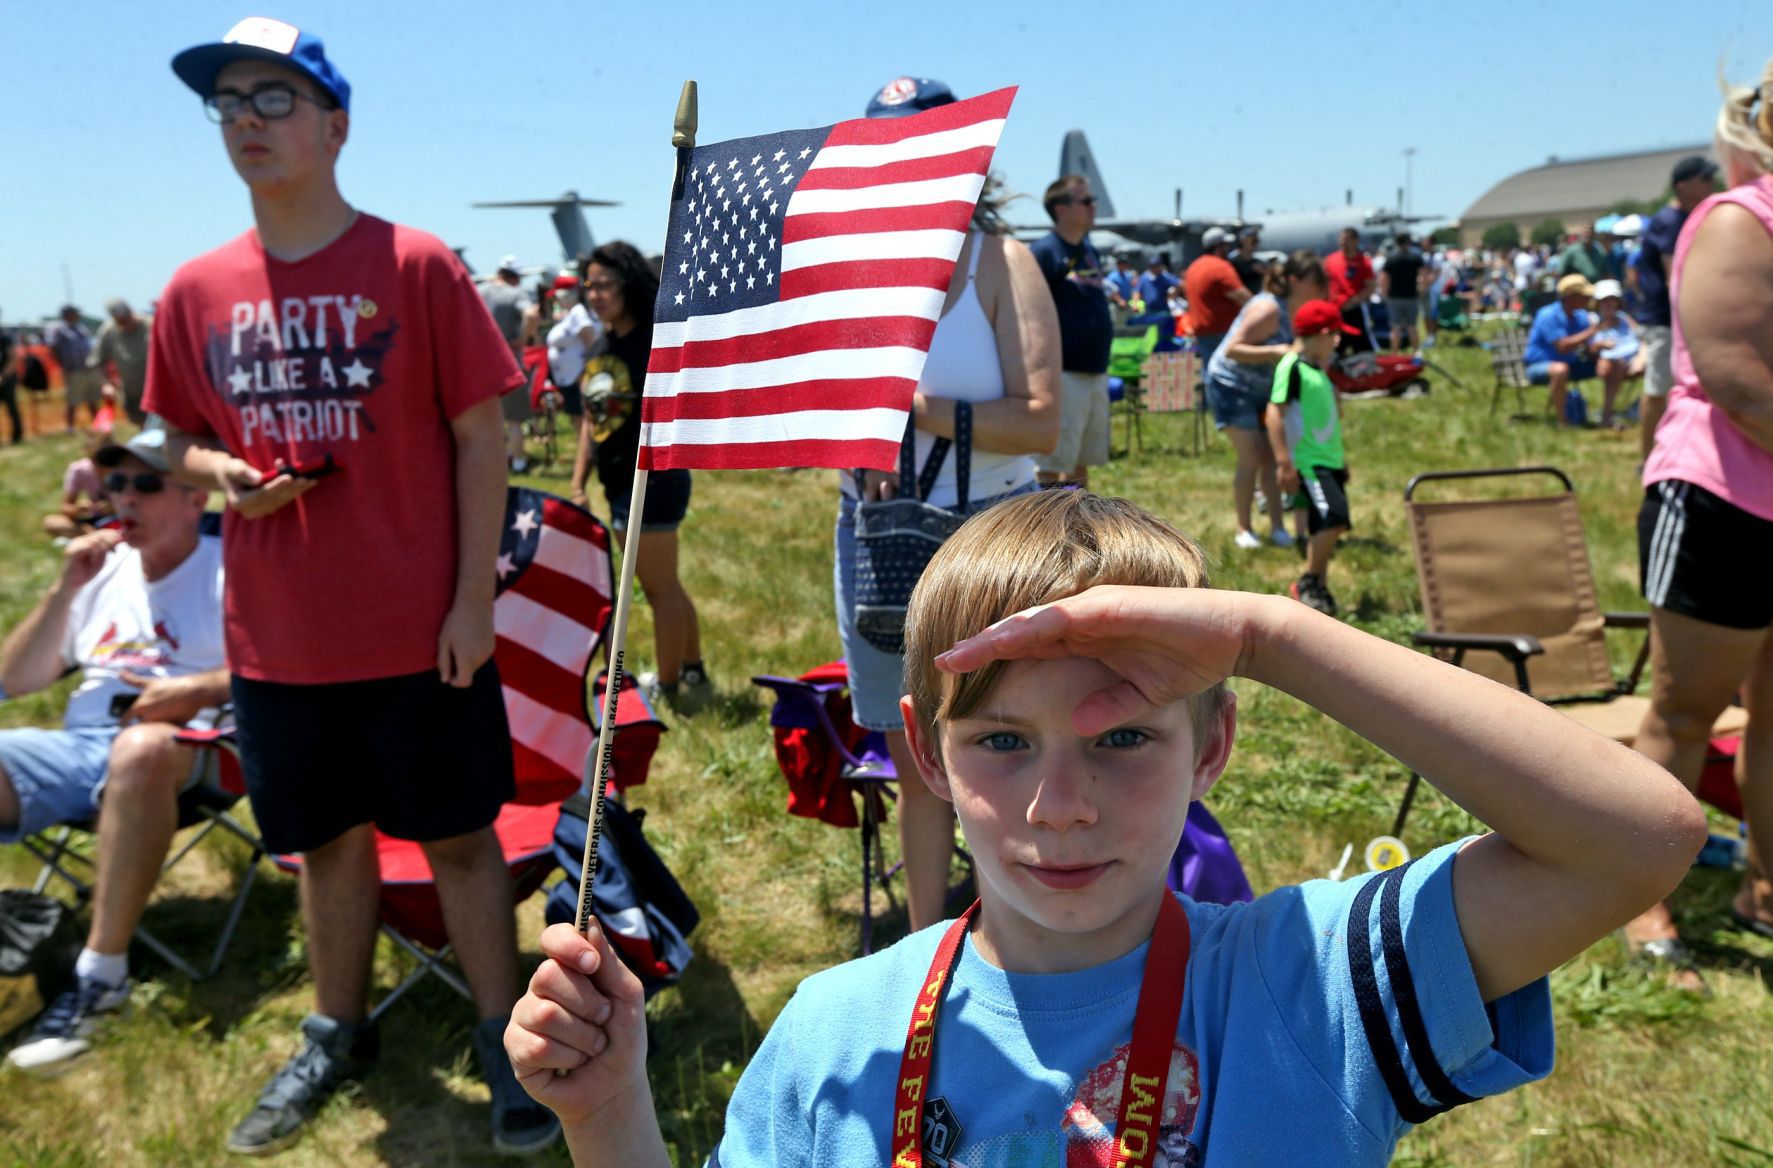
903, 96
260, 38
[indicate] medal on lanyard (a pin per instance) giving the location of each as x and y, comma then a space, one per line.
1148, 1061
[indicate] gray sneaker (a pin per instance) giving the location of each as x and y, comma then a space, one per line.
68, 1027
332, 1052
520, 1125
1311, 591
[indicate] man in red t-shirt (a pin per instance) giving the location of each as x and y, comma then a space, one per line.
1352, 282
337, 377
1215, 292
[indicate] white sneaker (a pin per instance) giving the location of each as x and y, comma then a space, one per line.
1280, 537
66, 1029
1248, 540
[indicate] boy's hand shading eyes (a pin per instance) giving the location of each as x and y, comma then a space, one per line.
1166, 644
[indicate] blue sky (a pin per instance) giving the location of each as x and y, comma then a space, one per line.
113, 171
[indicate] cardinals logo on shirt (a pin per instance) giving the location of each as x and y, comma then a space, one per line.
117, 652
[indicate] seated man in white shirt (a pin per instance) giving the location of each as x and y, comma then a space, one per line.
138, 609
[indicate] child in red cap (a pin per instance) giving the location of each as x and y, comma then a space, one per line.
1305, 430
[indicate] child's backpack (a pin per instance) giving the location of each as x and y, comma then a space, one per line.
1575, 408
644, 911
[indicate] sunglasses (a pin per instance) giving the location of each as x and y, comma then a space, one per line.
1090, 201
145, 483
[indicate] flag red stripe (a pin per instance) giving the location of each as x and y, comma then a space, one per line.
539, 679
570, 519
768, 455
867, 274
574, 599
534, 770
880, 131
930, 216
860, 394
848, 178
816, 337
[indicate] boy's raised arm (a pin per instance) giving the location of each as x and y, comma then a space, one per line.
577, 1042
1585, 833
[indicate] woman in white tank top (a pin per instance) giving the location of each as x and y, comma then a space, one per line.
997, 347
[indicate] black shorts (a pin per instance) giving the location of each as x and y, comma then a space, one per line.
1694, 556
667, 501
420, 759
1326, 492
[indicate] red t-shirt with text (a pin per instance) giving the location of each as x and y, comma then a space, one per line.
1209, 284
363, 351
1347, 277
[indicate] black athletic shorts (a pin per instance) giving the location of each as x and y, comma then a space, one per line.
420, 759
1326, 492
1697, 556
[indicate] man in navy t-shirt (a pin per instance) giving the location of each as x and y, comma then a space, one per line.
1086, 330
1693, 180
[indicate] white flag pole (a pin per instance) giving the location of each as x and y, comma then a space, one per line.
683, 137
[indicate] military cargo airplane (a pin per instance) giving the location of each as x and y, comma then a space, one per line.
1180, 238
568, 214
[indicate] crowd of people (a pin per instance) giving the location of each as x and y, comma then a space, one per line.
1059, 686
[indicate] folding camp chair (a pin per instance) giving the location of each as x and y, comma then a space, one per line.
553, 604
1133, 342
1508, 359
206, 805
828, 760
1510, 579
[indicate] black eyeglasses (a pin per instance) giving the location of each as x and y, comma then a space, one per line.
145, 483
1087, 201
272, 102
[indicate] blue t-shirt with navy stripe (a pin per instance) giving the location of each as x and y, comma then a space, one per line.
1318, 1024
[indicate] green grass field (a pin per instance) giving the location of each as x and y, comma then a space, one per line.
1645, 1076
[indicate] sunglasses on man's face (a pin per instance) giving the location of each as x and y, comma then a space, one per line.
145, 483
1086, 201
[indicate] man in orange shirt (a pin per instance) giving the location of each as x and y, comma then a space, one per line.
1215, 293
1352, 284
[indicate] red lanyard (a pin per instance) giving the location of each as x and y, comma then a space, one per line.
1148, 1063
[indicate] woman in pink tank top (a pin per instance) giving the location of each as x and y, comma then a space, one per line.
1705, 532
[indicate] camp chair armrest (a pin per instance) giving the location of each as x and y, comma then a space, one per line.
1516, 647
1625, 620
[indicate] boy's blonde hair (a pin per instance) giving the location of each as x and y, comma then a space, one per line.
1030, 550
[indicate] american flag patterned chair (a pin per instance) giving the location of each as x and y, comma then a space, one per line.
550, 614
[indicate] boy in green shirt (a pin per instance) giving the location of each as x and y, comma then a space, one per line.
1305, 430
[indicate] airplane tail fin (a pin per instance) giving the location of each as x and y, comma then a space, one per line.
1076, 157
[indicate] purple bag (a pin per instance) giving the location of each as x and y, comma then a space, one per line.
1205, 866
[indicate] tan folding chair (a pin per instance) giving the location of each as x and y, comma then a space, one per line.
1510, 578
1508, 360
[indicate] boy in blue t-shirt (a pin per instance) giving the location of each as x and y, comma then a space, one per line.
1313, 1025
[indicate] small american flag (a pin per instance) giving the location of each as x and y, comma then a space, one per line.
552, 604
803, 276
